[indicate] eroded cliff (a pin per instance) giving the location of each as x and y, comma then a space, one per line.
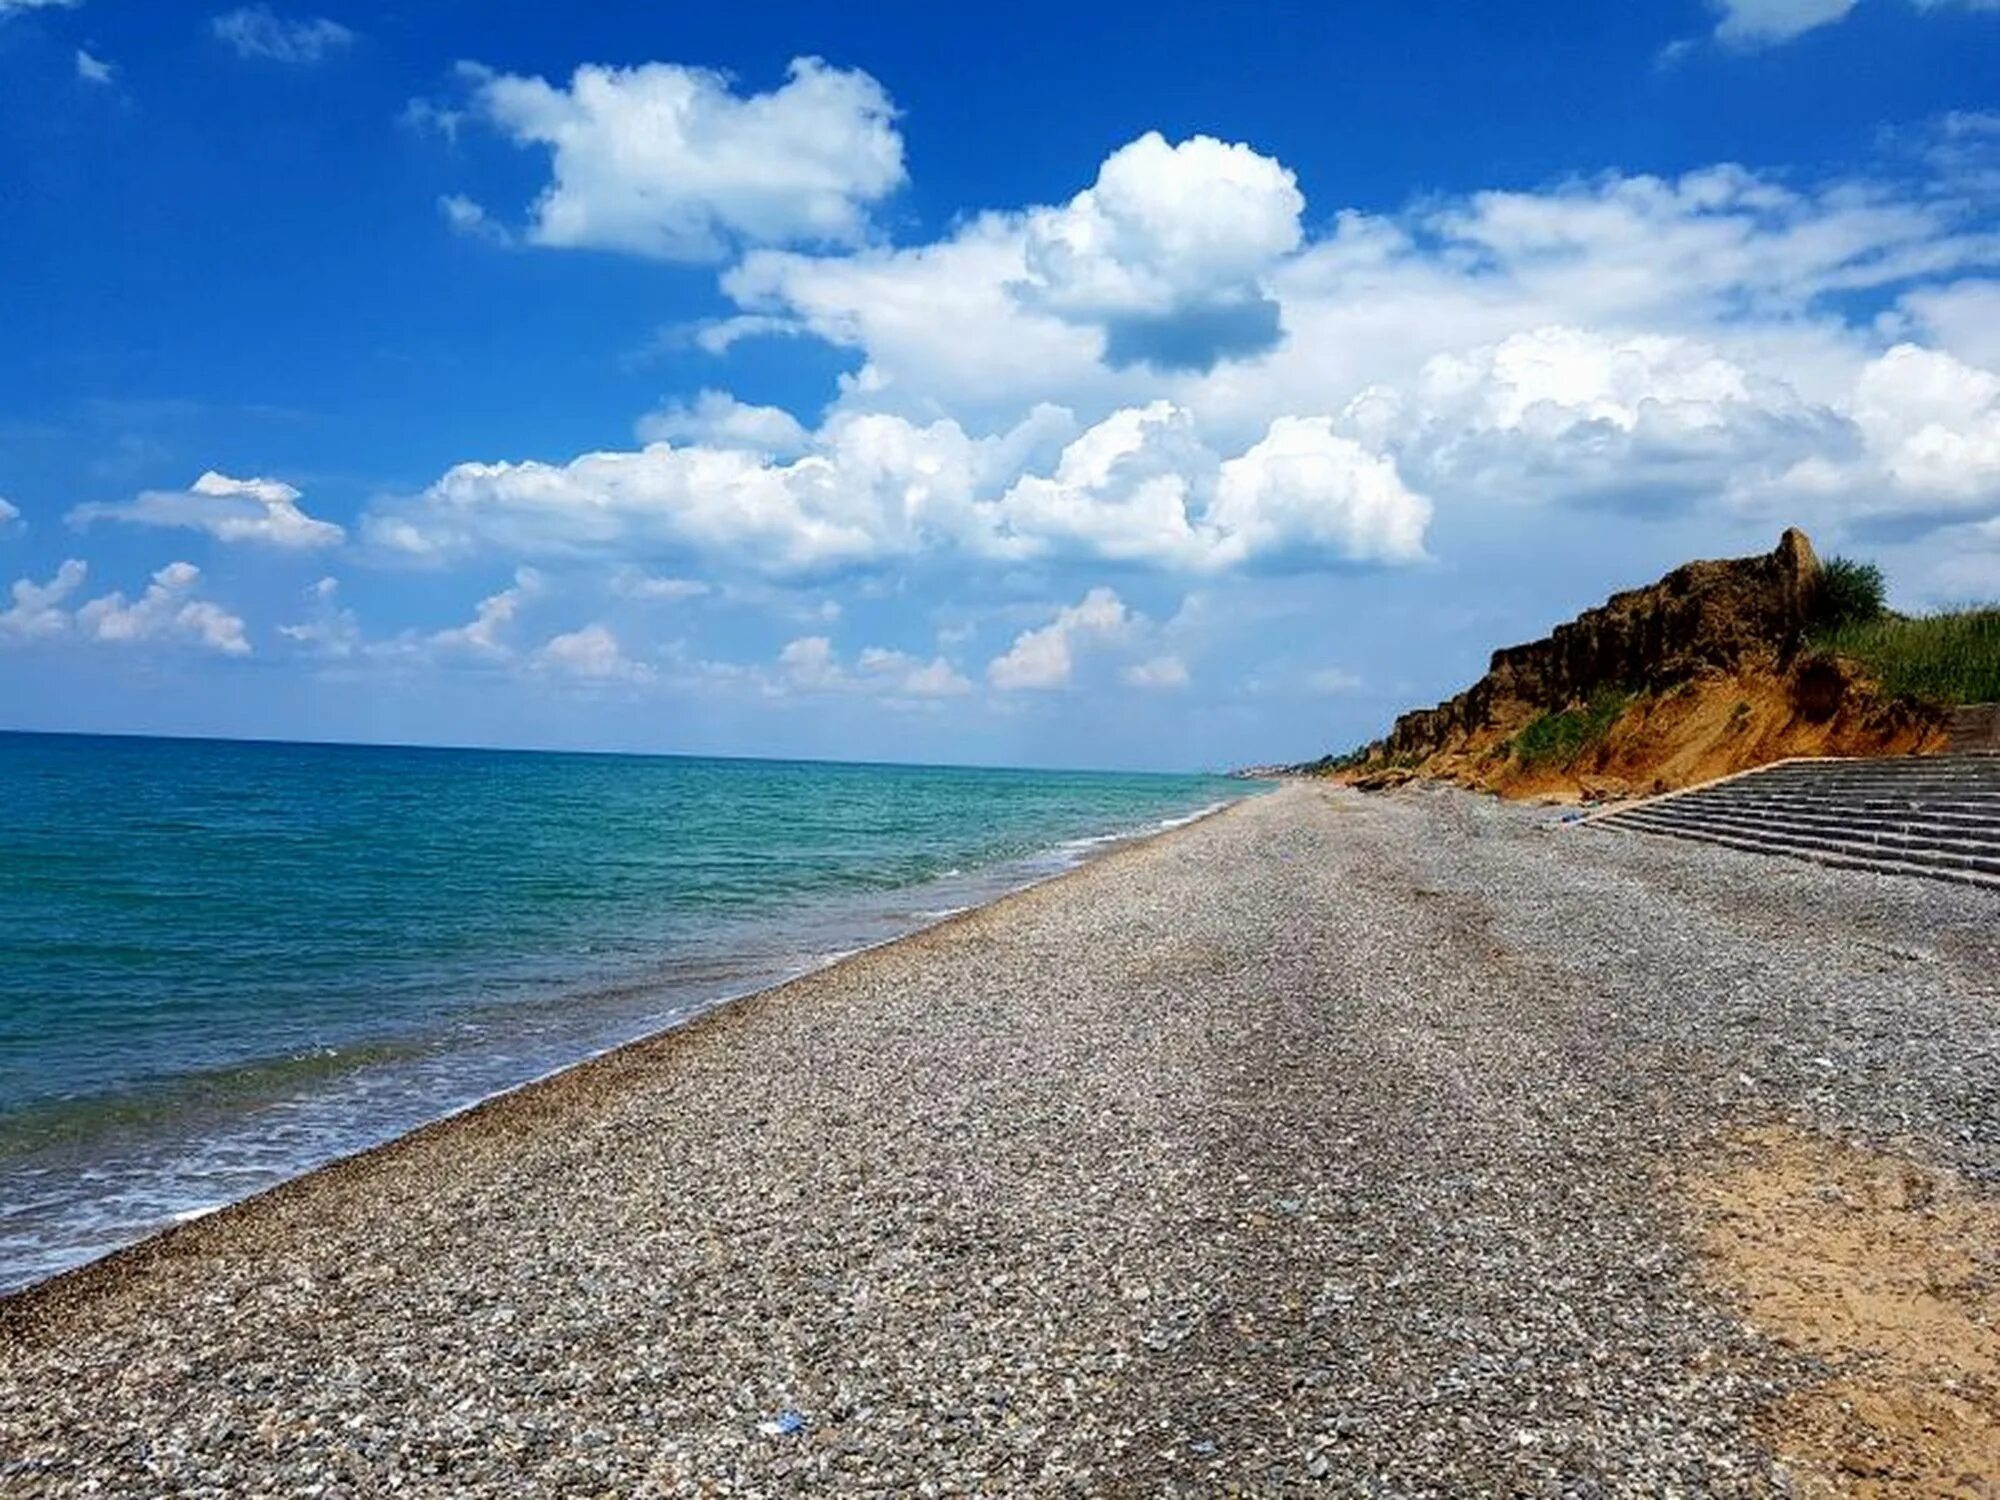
1705, 672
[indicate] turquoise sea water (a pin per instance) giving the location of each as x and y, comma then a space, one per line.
221, 962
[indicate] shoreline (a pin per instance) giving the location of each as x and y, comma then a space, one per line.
14, 1302
1383, 1144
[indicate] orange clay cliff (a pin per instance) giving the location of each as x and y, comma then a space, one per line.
1706, 672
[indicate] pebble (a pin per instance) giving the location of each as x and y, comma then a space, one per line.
1326, 1142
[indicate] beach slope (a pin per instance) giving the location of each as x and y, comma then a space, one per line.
1396, 1143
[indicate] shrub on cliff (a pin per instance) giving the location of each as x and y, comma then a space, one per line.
1945, 658
1559, 738
1846, 593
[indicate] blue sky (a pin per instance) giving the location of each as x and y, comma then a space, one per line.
1037, 385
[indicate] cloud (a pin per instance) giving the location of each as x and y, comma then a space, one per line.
670, 162
630, 583
1166, 252
810, 664
262, 511
332, 631
168, 612
1331, 682
1304, 490
1970, 569
1962, 318
469, 219
719, 420
484, 635
93, 69
1765, 23
1561, 414
15, 7
1921, 439
945, 326
1138, 487
1042, 659
1759, 23
8, 514
37, 610
907, 676
256, 31
591, 654
1159, 672
1634, 344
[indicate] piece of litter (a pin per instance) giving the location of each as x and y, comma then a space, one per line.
784, 1424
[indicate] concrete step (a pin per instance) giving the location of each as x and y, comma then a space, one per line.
1836, 860
1877, 786
1982, 855
1830, 816
1975, 770
1971, 799
1931, 816
1941, 816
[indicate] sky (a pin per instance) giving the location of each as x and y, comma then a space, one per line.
1082, 385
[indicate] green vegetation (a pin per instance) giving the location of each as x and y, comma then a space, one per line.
1947, 658
1558, 738
1848, 593
1328, 764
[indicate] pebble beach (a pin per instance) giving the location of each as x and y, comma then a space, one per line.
1336, 1143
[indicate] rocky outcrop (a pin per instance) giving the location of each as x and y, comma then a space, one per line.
1723, 616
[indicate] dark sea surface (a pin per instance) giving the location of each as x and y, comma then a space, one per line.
222, 963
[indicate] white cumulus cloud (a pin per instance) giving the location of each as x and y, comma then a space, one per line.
167, 611
1139, 487
591, 654
910, 676
811, 664
1921, 438
721, 421
671, 162
485, 634
1630, 343
1304, 490
94, 69
263, 511
1167, 250
1042, 659
37, 610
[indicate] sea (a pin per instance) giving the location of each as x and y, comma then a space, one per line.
223, 963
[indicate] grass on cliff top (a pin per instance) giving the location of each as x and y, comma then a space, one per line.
1559, 738
1947, 658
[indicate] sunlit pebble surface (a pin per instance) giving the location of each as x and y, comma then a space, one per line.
1328, 1143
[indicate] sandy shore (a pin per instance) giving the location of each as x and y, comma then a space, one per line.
1393, 1145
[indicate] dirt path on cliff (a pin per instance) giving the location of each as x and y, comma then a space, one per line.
1393, 1145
